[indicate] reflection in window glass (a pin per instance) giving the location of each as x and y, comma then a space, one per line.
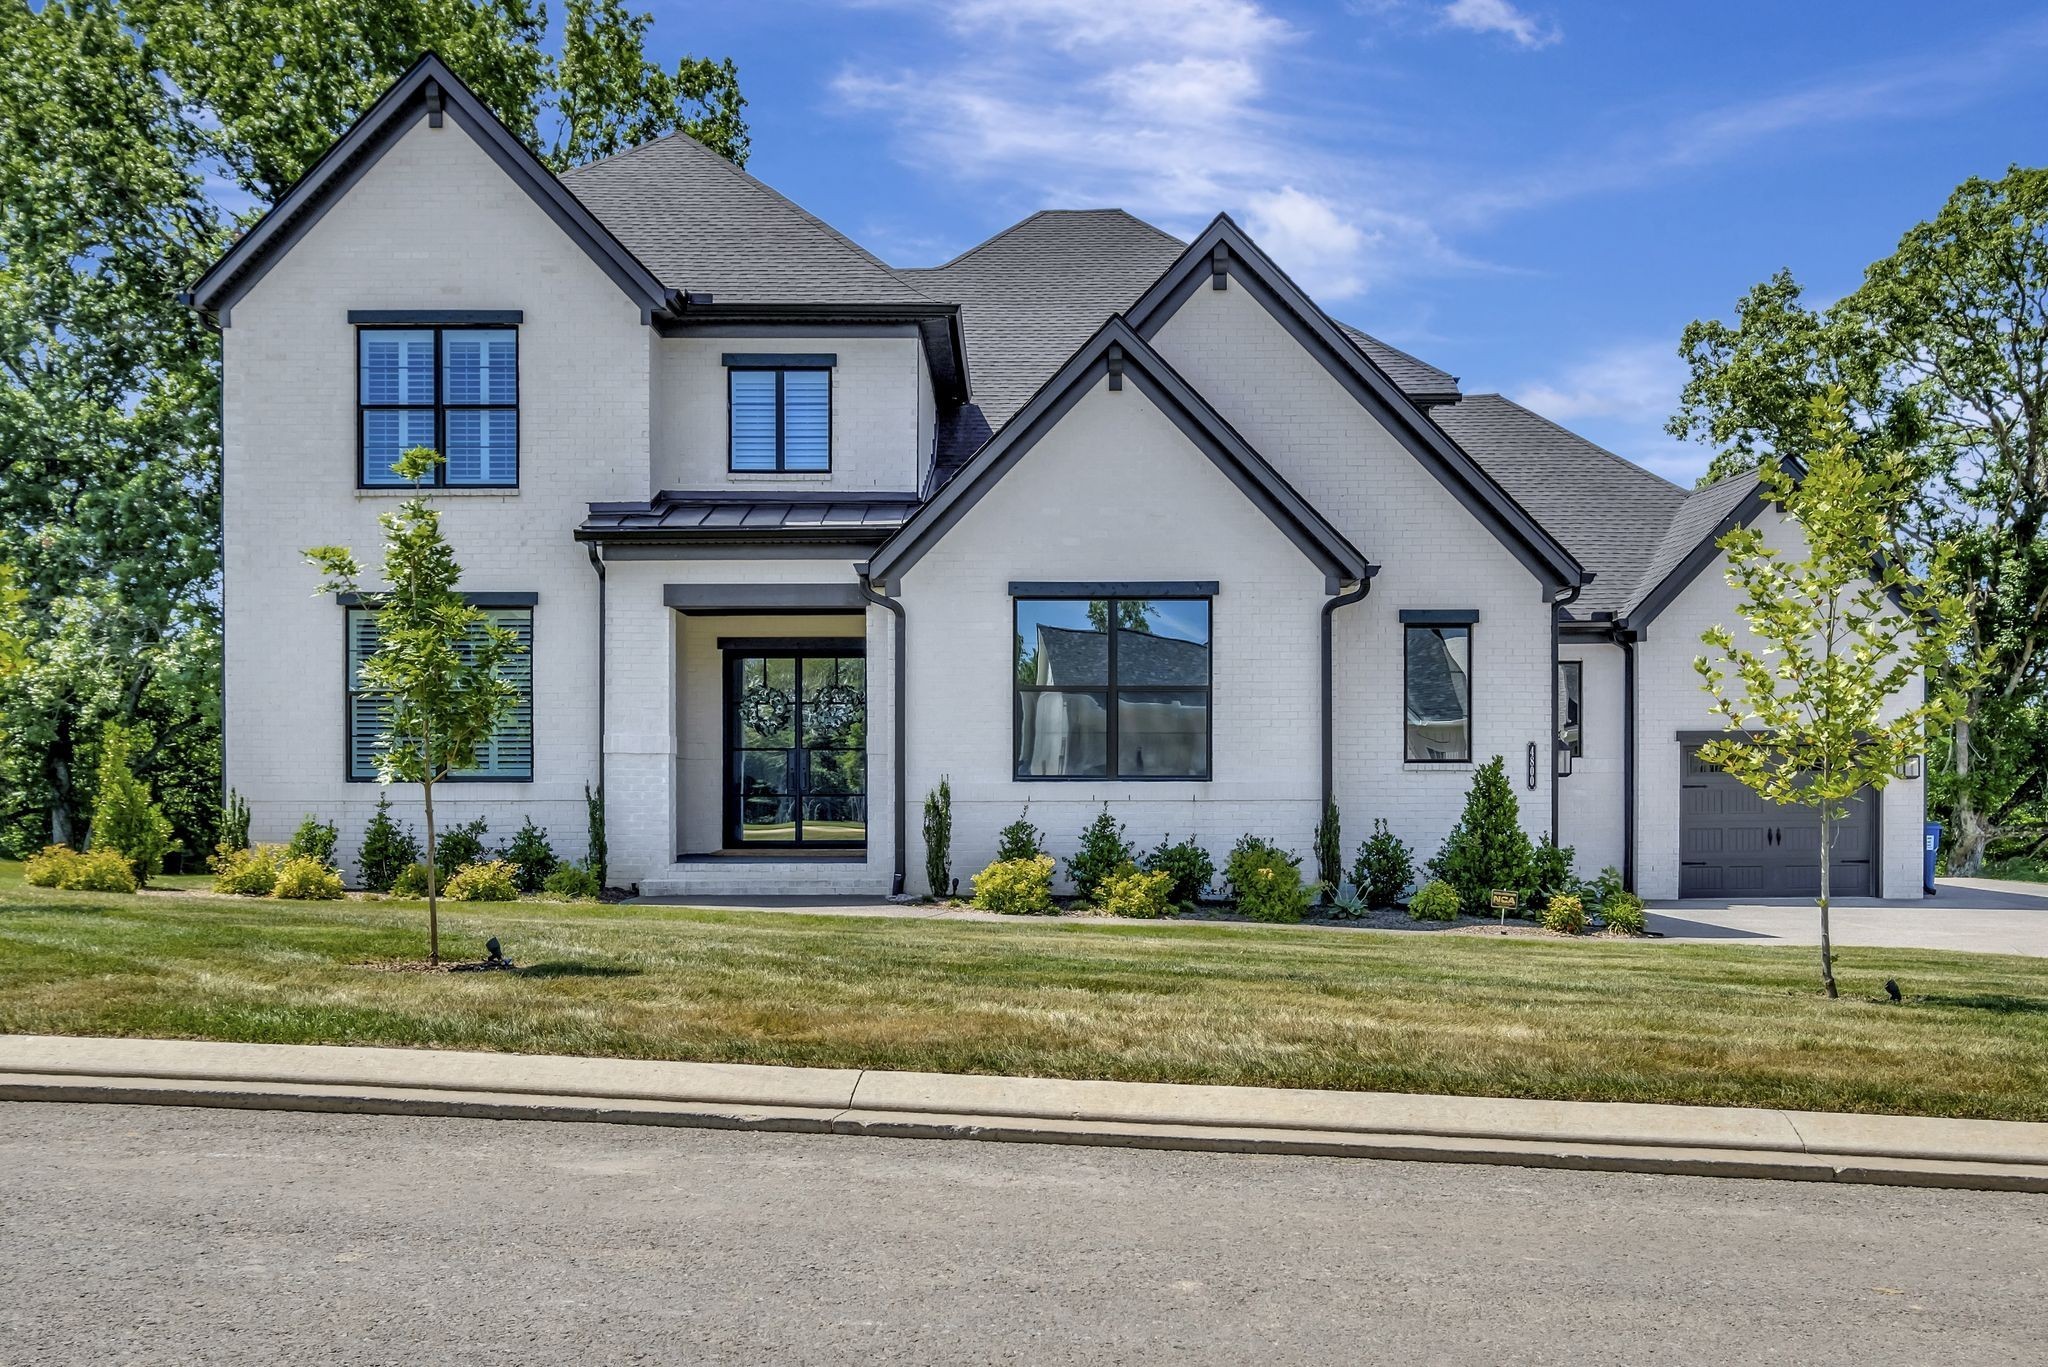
1570, 687
1073, 655
1439, 693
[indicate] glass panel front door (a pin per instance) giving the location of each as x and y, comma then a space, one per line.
796, 733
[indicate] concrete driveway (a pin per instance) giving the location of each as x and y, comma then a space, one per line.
1986, 915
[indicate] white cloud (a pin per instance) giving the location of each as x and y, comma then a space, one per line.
1620, 396
1499, 16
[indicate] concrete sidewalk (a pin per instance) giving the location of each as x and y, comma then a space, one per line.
1707, 1141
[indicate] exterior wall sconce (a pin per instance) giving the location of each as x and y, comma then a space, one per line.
1910, 768
1564, 759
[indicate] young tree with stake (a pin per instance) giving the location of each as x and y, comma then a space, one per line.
438, 660
1840, 635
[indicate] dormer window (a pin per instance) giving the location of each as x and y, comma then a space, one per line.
780, 411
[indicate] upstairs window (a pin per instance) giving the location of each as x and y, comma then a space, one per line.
507, 756
455, 389
1438, 686
780, 410
1114, 687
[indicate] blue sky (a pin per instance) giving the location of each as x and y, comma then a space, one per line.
1535, 196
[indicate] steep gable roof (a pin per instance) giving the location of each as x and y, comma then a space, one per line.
429, 89
1688, 542
1224, 255
1117, 351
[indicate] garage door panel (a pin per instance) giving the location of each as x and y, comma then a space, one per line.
1732, 843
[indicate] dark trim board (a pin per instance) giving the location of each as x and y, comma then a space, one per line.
779, 360
1115, 588
1439, 617
479, 598
437, 317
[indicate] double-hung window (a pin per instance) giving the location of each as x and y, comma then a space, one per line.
1571, 685
1437, 686
1114, 686
506, 757
780, 411
455, 389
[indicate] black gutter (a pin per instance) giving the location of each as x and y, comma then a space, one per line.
898, 685
1557, 607
597, 563
1627, 641
1330, 606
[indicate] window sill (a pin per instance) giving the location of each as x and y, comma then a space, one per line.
438, 492
1438, 766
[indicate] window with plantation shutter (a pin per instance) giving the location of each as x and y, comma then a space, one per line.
781, 416
455, 389
507, 757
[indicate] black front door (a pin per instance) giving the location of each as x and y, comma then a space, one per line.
796, 744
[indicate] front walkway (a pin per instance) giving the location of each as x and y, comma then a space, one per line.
1981, 915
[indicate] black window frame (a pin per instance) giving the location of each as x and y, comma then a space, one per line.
1577, 669
440, 405
781, 366
1423, 621
526, 603
1110, 689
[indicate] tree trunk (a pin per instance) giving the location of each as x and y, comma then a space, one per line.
433, 880
1971, 829
1827, 949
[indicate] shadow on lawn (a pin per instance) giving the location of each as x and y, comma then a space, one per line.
1988, 1001
568, 970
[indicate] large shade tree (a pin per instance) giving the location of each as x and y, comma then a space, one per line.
136, 137
1941, 358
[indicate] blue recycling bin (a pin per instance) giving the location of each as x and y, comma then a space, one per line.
1933, 844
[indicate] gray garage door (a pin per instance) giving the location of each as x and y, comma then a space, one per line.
1732, 843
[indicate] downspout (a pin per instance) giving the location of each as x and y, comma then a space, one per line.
867, 591
1330, 606
597, 563
1626, 639
1557, 607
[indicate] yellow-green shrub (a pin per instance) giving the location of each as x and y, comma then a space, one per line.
249, 873
1623, 911
1436, 901
306, 878
492, 880
1016, 887
1564, 913
47, 868
411, 882
1130, 891
1266, 880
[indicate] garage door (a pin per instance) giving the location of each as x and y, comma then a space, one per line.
1732, 843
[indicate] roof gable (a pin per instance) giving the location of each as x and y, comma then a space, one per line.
432, 90
1223, 255
1118, 353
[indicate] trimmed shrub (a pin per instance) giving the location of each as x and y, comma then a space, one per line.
1266, 880
1624, 912
1550, 873
100, 871
491, 880
1131, 891
532, 857
1329, 845
1564, 913
1384, 867
304, 878
1487, 849
571, 880
459, 845
124, 818
938, 838
1187, 863
46, 869
251, 872
1434, 901
1020, 839
312, 840
412, 882
386, 850
1016, 887
1103, 851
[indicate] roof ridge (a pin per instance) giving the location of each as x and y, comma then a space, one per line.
1033, 217
1616, 457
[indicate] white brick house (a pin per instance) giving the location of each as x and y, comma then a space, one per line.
1086, 515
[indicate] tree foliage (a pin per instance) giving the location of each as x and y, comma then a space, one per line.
1940, 360
1827, 703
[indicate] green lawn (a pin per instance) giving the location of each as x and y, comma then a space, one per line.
1184, 1002
2024, 870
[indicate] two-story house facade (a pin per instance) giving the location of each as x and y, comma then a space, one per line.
1087, 515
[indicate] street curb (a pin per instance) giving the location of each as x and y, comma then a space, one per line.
1599, 1136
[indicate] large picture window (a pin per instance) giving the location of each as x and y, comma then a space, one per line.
455, 389
1439, 693
1112, 688
1571, 683
781, 414
507, 756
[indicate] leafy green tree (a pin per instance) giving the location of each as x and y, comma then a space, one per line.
438, 660
1941, 359
125, 819
1818, 710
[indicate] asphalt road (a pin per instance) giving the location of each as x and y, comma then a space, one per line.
162, 1235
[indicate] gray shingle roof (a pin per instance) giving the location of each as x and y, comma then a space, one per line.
1610, 514
1068, 655
702, 224
1693, 522
712, 515
1417, 379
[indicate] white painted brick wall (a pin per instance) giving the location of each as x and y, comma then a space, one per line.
1432, 554
1590, 801
434, 224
